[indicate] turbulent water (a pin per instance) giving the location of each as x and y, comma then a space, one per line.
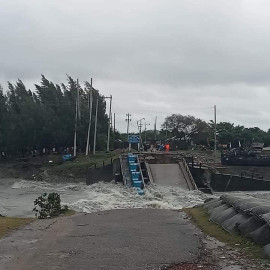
17, 196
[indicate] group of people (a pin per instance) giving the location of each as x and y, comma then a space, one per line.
160, 147
164, 147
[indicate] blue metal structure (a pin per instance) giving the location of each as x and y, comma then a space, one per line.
67, 157
135, 172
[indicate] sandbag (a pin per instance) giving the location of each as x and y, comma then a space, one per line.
267, 250
220, 217
212, 204
261, 236
260, 210
245, 204
250, 225
231, 225
218, 209
208, 200
266, 218
231, 199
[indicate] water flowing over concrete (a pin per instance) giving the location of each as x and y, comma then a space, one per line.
17, 196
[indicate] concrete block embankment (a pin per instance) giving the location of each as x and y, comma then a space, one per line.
241, 214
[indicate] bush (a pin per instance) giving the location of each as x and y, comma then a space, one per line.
48, 206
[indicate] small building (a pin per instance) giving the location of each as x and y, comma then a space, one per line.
257, 147
266, 150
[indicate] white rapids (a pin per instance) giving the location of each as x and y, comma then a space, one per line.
16, 197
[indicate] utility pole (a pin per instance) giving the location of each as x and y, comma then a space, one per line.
113, 122
95, 132
139, 124
145, 124
76, 120
90, 104
166, 133
128, 119
155, 129
109, 123
215, 121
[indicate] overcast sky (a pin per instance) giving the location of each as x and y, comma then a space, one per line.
156, 57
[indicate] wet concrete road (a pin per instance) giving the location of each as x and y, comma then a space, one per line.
117, 239
168, 175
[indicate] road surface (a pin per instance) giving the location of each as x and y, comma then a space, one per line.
118, 239
168, 175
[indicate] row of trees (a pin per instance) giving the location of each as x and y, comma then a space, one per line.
189, 128
45, 118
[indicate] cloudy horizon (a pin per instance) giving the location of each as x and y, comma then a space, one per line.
155, 57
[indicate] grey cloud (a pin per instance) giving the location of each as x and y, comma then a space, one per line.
178, 56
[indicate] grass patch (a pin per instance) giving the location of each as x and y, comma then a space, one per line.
83, 161
10, 223
79, 167
200, 217
70, 212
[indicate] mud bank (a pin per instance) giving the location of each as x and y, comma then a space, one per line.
42, 171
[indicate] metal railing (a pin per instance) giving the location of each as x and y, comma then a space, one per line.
103, 163
189, 173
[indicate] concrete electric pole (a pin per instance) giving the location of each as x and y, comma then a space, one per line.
145, 125
215, 121
95, 132
109, 124
128, 119
90, 104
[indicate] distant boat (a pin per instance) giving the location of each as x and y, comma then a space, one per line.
250, 157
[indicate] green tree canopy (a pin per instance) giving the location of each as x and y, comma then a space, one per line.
45, 117
187, 127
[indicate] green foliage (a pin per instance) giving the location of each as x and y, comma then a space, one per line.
187, 128
229, 133
45, 118
48, 206
190, 128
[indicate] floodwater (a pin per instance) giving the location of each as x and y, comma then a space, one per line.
17, 196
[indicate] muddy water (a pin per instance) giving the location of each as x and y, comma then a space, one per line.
17, 196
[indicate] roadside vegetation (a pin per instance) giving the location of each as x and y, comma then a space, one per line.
46, 206
201, 218
49, 206
79, 167
83, 161
41, 120
8, 224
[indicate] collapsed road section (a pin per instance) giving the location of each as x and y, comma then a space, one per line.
139, 170
172, 175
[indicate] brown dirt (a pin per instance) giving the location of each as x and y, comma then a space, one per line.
38, 168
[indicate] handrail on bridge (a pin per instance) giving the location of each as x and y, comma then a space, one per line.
189, 174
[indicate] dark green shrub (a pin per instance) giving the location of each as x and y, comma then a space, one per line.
48, 206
